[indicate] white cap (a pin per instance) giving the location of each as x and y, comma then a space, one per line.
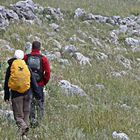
19, 54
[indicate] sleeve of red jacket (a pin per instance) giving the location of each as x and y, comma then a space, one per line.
46, 69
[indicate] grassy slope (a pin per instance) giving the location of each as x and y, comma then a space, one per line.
96, 118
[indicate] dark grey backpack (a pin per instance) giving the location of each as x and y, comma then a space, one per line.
35, 63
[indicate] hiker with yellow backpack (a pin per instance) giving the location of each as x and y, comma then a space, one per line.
18, 88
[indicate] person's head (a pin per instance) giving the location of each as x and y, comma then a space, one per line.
36, 45
19, 54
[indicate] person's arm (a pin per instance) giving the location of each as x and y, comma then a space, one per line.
6, 88
46, 69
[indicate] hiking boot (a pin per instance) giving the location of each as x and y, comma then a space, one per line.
25, 131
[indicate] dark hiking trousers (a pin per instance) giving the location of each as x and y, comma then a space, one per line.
21, 110
37, 107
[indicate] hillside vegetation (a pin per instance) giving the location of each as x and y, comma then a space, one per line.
110, 75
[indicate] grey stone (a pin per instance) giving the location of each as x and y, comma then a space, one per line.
132, 41
70, 89
79, 12
81, 58
101, 56
28, 47
71, 49
124, 61
55, 26
54, 13
24, 9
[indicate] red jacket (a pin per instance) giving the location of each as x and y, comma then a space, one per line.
46, 68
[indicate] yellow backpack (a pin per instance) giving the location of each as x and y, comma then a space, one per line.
19, 76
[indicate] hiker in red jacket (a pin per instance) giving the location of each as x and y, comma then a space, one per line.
40, 67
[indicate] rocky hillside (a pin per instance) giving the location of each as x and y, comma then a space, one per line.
94, 88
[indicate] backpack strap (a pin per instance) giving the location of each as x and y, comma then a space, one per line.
38, 55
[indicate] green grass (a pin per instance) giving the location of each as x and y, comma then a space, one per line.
82, 118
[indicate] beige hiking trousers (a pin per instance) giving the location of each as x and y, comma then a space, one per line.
21, 111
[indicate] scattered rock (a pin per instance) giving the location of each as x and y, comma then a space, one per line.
100, 86
7, 115
132, 42
79, 13
55, 27
70, 89
101, 56
24, 9
118, 74
53, 14
71, 49
124, 61
81, 58
120, 136
28, 47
